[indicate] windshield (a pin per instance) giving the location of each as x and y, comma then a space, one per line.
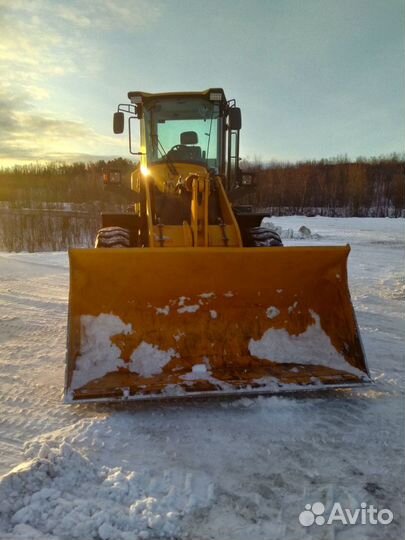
183, 129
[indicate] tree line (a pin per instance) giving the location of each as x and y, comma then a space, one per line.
366, 187
55, 206
61, 182
373, 186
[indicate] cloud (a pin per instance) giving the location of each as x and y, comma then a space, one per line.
28, 134
35, 44
123, 15
41, 43
72, 16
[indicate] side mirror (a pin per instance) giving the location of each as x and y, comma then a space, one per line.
234, 119
118, 124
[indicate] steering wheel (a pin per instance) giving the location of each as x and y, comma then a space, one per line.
178, 148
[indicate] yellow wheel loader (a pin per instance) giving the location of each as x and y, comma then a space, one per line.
188, 295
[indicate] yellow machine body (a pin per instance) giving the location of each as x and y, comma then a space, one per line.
205, 319
196, 231
190, 309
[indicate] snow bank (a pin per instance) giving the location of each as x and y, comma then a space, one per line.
303, 233
279, 346
61, 492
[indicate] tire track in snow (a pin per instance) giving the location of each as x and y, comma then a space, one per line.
33, 304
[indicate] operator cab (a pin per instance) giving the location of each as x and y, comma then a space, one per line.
200, 128
183, 130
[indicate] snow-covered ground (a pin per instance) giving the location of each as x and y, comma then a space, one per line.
223, 469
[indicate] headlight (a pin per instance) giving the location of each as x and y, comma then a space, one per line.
215, 96
144, 170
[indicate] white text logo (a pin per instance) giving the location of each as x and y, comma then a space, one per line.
366, 514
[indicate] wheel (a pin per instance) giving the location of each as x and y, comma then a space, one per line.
263, 237
113, 237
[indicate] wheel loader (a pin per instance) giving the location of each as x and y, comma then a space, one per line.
188, 294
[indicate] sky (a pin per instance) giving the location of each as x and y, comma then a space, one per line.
314, 78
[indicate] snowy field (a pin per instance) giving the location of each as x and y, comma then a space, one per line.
223, 469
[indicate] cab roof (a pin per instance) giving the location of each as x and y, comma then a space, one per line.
204, 94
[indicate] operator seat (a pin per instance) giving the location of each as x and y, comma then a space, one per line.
185, 152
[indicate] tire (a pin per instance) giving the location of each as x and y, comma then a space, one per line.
113, 237
263, 237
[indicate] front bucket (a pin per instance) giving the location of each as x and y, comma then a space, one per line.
148, 323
